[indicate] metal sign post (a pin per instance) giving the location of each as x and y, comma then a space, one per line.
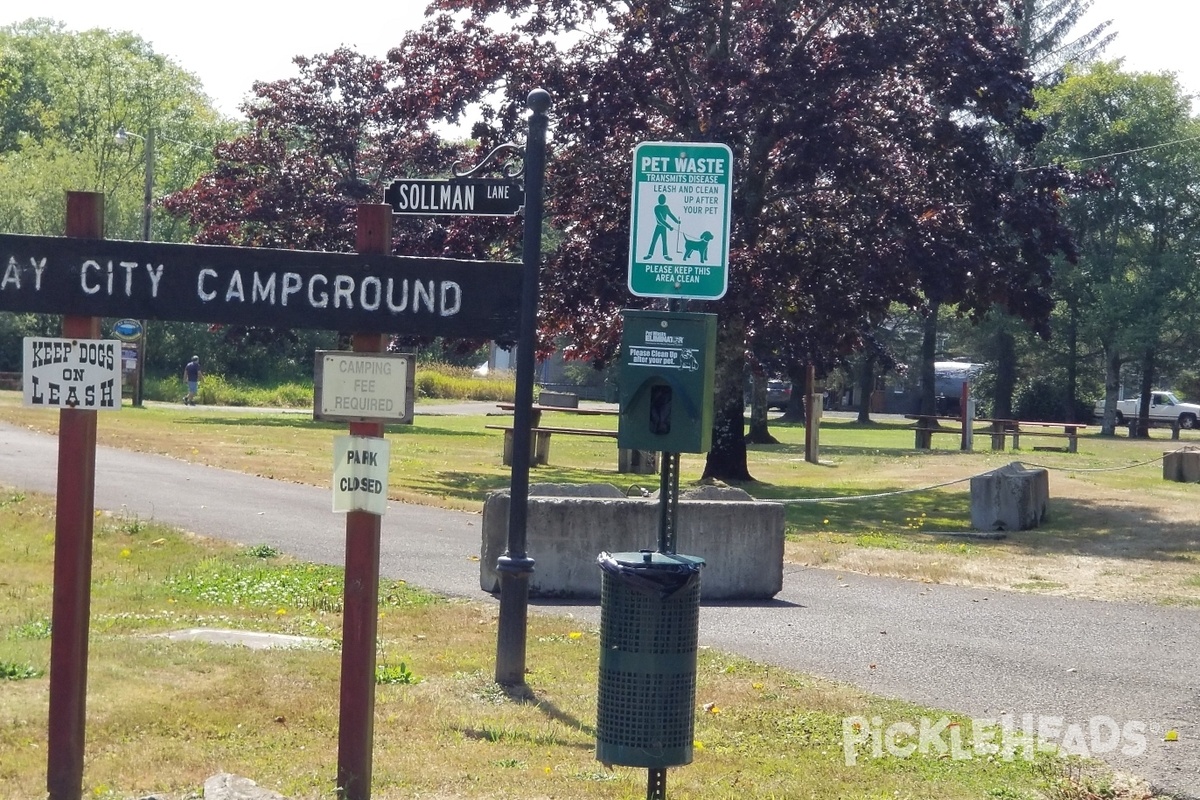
515, 566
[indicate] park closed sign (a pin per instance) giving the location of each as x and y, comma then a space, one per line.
679, 220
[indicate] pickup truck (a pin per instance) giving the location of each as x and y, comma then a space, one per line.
1165, 409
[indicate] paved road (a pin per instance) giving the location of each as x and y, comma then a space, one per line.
982, 653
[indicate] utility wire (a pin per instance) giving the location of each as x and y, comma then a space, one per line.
1113, 155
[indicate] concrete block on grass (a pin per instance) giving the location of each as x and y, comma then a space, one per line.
1011, 498
558, 399
224, 786
1182, 466
740, 540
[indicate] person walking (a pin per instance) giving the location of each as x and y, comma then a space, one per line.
192, 374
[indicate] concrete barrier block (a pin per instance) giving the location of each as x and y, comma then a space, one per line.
1182, 466
637, 462
558, 399
1011, 498
741, 541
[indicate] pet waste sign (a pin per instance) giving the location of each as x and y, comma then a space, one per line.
360, 473
679, 221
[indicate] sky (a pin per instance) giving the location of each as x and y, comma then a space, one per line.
229, 45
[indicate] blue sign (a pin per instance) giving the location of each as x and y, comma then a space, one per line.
127, 330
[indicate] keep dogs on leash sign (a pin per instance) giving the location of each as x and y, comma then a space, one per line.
679, 220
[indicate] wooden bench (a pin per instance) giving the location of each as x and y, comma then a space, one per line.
1018, 428
1131, 425
929, 424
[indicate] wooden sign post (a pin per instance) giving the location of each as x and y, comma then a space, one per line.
73, 550
360, 612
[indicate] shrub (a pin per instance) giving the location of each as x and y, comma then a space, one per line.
1044, 400
440, 381
459, 383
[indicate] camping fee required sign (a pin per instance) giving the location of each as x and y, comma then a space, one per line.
363, 387
679, 225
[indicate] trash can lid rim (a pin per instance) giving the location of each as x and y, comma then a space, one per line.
656, 559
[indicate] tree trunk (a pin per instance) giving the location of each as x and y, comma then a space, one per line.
1072, 363
1143, 427
1112, 387
866, 388
1006, 373
759, 431
795, 406
727, 457
928, 356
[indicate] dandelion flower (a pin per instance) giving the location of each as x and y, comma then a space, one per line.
574, 635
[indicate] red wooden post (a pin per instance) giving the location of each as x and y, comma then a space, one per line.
360, 615
73, 550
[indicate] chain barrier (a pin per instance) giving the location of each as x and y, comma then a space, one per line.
875, 495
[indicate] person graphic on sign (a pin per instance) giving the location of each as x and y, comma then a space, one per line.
661, 216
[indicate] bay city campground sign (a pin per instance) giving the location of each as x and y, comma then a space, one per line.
679, 220
363, 387
476, 197
260, 286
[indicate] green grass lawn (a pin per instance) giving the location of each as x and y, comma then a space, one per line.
164, 715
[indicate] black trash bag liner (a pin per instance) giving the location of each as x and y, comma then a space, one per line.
653, 577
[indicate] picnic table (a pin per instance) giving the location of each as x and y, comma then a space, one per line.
1000, 430
1018, 428
929, 424
634, 461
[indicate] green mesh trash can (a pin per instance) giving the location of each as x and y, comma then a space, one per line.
649, 623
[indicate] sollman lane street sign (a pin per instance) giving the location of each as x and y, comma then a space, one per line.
679, 220
477, 197
260, 286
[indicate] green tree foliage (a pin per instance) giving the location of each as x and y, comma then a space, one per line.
63, 96
1047, 31
1135, 290
317, 146
1047, 34
865, 166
